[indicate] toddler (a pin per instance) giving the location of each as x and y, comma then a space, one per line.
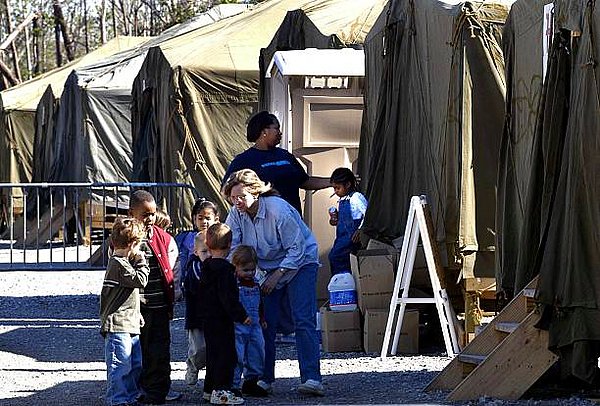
347, 219
249, 341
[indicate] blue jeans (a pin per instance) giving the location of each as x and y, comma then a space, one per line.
249, 340
123, 355
302, 294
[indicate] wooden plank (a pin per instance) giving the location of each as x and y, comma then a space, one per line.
473, 284
512, 367
471, 358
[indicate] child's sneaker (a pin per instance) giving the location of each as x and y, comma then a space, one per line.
265, 385
191, 377
225, 397
311, 387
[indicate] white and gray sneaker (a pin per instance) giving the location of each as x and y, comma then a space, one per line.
265, 385
311, 387
225, 397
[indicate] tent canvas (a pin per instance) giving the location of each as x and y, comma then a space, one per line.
194, 93
434, 110
18, 109
94, 117
562, 191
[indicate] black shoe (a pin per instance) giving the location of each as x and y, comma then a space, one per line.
250, 388
147, 400
237, 392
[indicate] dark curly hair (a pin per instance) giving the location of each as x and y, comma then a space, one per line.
259, 122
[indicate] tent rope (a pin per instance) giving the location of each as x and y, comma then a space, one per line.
189, 139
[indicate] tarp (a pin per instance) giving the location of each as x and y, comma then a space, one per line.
91, 141
194, 93
563, 191
18, 108
433, 123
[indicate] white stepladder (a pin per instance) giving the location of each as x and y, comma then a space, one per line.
417, 225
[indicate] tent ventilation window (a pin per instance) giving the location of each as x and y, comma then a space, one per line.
326, 82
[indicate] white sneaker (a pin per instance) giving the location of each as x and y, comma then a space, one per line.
311, 387
264, 385
225, 397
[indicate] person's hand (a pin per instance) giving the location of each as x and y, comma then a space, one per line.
263, 324
248, 321
271, 281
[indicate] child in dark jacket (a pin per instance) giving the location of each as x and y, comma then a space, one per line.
221, 307
196, 359
126, 272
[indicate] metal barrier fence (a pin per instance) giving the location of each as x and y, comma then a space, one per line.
64, 225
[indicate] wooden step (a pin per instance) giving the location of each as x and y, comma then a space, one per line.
506, 327
514, 365
486, 341
471, 358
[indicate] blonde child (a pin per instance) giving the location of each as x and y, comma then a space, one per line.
121, 320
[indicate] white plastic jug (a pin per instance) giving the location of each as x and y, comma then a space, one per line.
342, 292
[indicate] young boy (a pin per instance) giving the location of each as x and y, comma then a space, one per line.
193, 319
219, 298
249, 341
156, 301
127, 271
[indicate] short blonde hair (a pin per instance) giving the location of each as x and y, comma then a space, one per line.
126, 230
218, 237
199, 238
249, 180
244, 254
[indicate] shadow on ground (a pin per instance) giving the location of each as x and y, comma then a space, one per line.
342, 389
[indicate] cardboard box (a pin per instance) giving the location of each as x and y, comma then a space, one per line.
340, 331
374, 330
373, 272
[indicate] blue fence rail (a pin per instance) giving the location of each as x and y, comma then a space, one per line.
64, 225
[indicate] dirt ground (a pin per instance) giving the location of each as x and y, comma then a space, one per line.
51, 353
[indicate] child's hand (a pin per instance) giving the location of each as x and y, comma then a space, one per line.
263, 324
248, 321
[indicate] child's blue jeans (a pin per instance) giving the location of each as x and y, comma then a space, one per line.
123, 356
249, 340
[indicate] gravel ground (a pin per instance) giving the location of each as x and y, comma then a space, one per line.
51, 353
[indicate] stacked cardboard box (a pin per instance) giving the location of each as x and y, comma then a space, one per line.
374, 274
340, 331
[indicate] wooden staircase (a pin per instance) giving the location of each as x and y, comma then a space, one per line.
504, 360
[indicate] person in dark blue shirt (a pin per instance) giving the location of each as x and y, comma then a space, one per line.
273, 164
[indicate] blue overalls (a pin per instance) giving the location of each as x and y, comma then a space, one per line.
339, 256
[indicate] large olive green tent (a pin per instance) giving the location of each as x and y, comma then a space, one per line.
194, 93
561, 213
433, 121
91, 138
18, 108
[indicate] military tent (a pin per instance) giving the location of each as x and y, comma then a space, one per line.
563, 190
517, 197
18, 109
91, 139
433, 121
194, 93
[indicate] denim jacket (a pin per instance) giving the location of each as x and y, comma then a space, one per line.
278, 234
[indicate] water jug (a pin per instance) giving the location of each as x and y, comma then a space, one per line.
342, 292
